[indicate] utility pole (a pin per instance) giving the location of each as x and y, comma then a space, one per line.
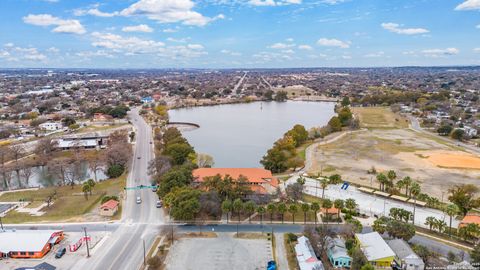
144, 255
1, 224
86, 241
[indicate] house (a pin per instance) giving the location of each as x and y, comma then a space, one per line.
307, 260
109, 208
378, 253
51, 126
470, 218
74, 144
147, 100
259, 180
337, 253
101, 117
405, 257
25, 244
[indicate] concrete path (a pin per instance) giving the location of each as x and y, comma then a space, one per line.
281, 252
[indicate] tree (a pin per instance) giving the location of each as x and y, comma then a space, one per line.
204, 160
305, 209
86, 188
335, 124
210, 204
407, 182
227, 207
350, 204
380, 225
424, 253
178, 176
458, 134
281, 96
469, 231
451, 210
26, 173
345, 101
179, 152
358, 259
475, 255
238, 207
96, 163
159, 165
250, 207
323, 185
367, 267
339, 204
44, 150
271, 209
67, 121
391, 175
430, 222
183, 202
282, 208
294, 191
345, 116
315, 207
335, 179
17, 151
444, 130
261, 211
399, 229
293, 209
382, 180
463, 195
299, 134
91, 183
115, 170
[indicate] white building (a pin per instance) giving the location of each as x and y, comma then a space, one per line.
405, 257
51, 126
307, 260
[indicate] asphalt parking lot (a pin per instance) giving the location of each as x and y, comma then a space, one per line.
223, 252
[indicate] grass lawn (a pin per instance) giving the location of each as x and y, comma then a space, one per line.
97, 128
379, 117
69, 204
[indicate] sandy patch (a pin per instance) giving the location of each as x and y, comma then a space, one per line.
452, 159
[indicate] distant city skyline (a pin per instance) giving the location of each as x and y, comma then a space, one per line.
238, 33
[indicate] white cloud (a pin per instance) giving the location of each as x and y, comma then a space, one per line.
280, 45
170, 30
169, 11
230, 52
374, 55
440, 52
195, 46
130, 45
469, 5
98, 53
94, 12
396, 28
4, 54
271, 3
332, 2
305, 47
62, 26
138, 28
53, 50
477, 50
179, 40
333, 43
15, 53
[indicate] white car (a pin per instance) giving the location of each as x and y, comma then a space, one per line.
139, 200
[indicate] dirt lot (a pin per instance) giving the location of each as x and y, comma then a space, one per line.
223, 252
437, 165
379, 117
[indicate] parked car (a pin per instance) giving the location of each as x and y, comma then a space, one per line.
159, 204
60, 253
139, 200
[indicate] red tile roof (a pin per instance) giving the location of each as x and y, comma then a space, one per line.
470, 218
109, 204
254, 175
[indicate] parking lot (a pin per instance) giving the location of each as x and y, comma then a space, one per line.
223, 252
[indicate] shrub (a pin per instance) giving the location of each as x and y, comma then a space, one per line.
108, 198
115, 171
291, 237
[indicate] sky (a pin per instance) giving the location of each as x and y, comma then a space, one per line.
238, 33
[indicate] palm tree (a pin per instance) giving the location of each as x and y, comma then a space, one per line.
323, 185
315, 207
86, 188
293, 209
382, 180
305, 208
391, 175
407, 181
91, 183
250, 207
339, 204
282, 208
350, 204
261, 212
238, 207
430, 222
394, 213
227, 207
271, 209
415, 191
451, 210
440, 225
327, 204
400, 184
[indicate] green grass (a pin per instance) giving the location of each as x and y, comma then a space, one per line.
69, 205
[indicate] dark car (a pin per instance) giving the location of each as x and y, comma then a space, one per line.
60, 253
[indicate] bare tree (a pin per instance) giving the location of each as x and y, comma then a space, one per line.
96, 163
44, 150
27, 172
159, 165
73, 171
204, 160
17, 151
4, 156
57, 169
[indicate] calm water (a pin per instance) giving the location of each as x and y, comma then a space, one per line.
238, 135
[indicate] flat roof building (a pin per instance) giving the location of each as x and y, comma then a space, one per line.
28, 243
378, 253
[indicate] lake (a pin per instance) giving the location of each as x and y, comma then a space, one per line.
238, 135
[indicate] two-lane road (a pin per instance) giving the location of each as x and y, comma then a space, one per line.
124, 249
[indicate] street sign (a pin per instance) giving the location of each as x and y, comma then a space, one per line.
140, 187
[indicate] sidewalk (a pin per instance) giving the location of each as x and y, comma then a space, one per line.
448, 242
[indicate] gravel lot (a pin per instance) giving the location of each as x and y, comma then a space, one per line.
223, 252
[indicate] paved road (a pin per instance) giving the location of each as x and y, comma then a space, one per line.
124, 249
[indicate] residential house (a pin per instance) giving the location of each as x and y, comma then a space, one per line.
337, 253
259, 180
405, 257
109, 208
51, 126
470, 218
306, 258
375, 249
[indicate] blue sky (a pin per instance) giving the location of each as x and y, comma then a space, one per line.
238, 33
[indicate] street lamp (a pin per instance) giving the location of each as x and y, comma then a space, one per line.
1, 224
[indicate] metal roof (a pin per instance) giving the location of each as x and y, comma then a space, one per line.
374, 247
401, 248
24, 240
